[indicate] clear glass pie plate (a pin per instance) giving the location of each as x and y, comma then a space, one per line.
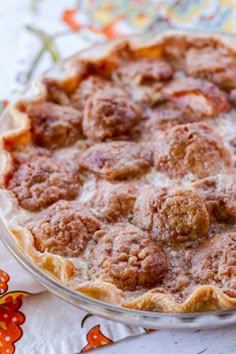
146, 319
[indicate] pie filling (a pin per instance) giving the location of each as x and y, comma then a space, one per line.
121, 181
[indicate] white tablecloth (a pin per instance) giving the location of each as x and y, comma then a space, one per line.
216, 341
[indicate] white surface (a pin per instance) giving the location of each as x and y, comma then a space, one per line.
61, 332
220, 341
11, 14
217, 341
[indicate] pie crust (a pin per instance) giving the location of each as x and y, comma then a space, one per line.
117, 172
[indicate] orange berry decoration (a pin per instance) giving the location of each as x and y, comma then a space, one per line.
4, 278
95, 339
10, 319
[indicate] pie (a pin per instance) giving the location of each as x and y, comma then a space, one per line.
118, 172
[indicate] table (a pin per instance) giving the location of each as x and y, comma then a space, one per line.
215, 341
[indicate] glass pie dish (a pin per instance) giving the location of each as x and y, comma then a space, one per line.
146, 319
212, 102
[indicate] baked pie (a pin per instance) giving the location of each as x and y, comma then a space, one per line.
118, 172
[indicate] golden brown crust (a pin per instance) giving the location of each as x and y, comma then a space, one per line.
172, 216
56, 94
214, 262
214, 64
43, 181
191, 148
108, 114
163, 117
128, 258
113, 200
199, 96
145, 70
117, 159
219, 193
54, 126
88, 87
203, 298
188, 149
144, 78
64, 229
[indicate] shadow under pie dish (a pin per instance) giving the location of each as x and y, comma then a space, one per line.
118, 173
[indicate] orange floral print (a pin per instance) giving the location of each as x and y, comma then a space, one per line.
69, 18
4, 278
3, 105
110, 30
10, 317
149, 330
13, 295
10, 321
95, 339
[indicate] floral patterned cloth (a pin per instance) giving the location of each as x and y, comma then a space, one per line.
52, 31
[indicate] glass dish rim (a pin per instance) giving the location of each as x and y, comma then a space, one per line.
62, 291
80, 300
